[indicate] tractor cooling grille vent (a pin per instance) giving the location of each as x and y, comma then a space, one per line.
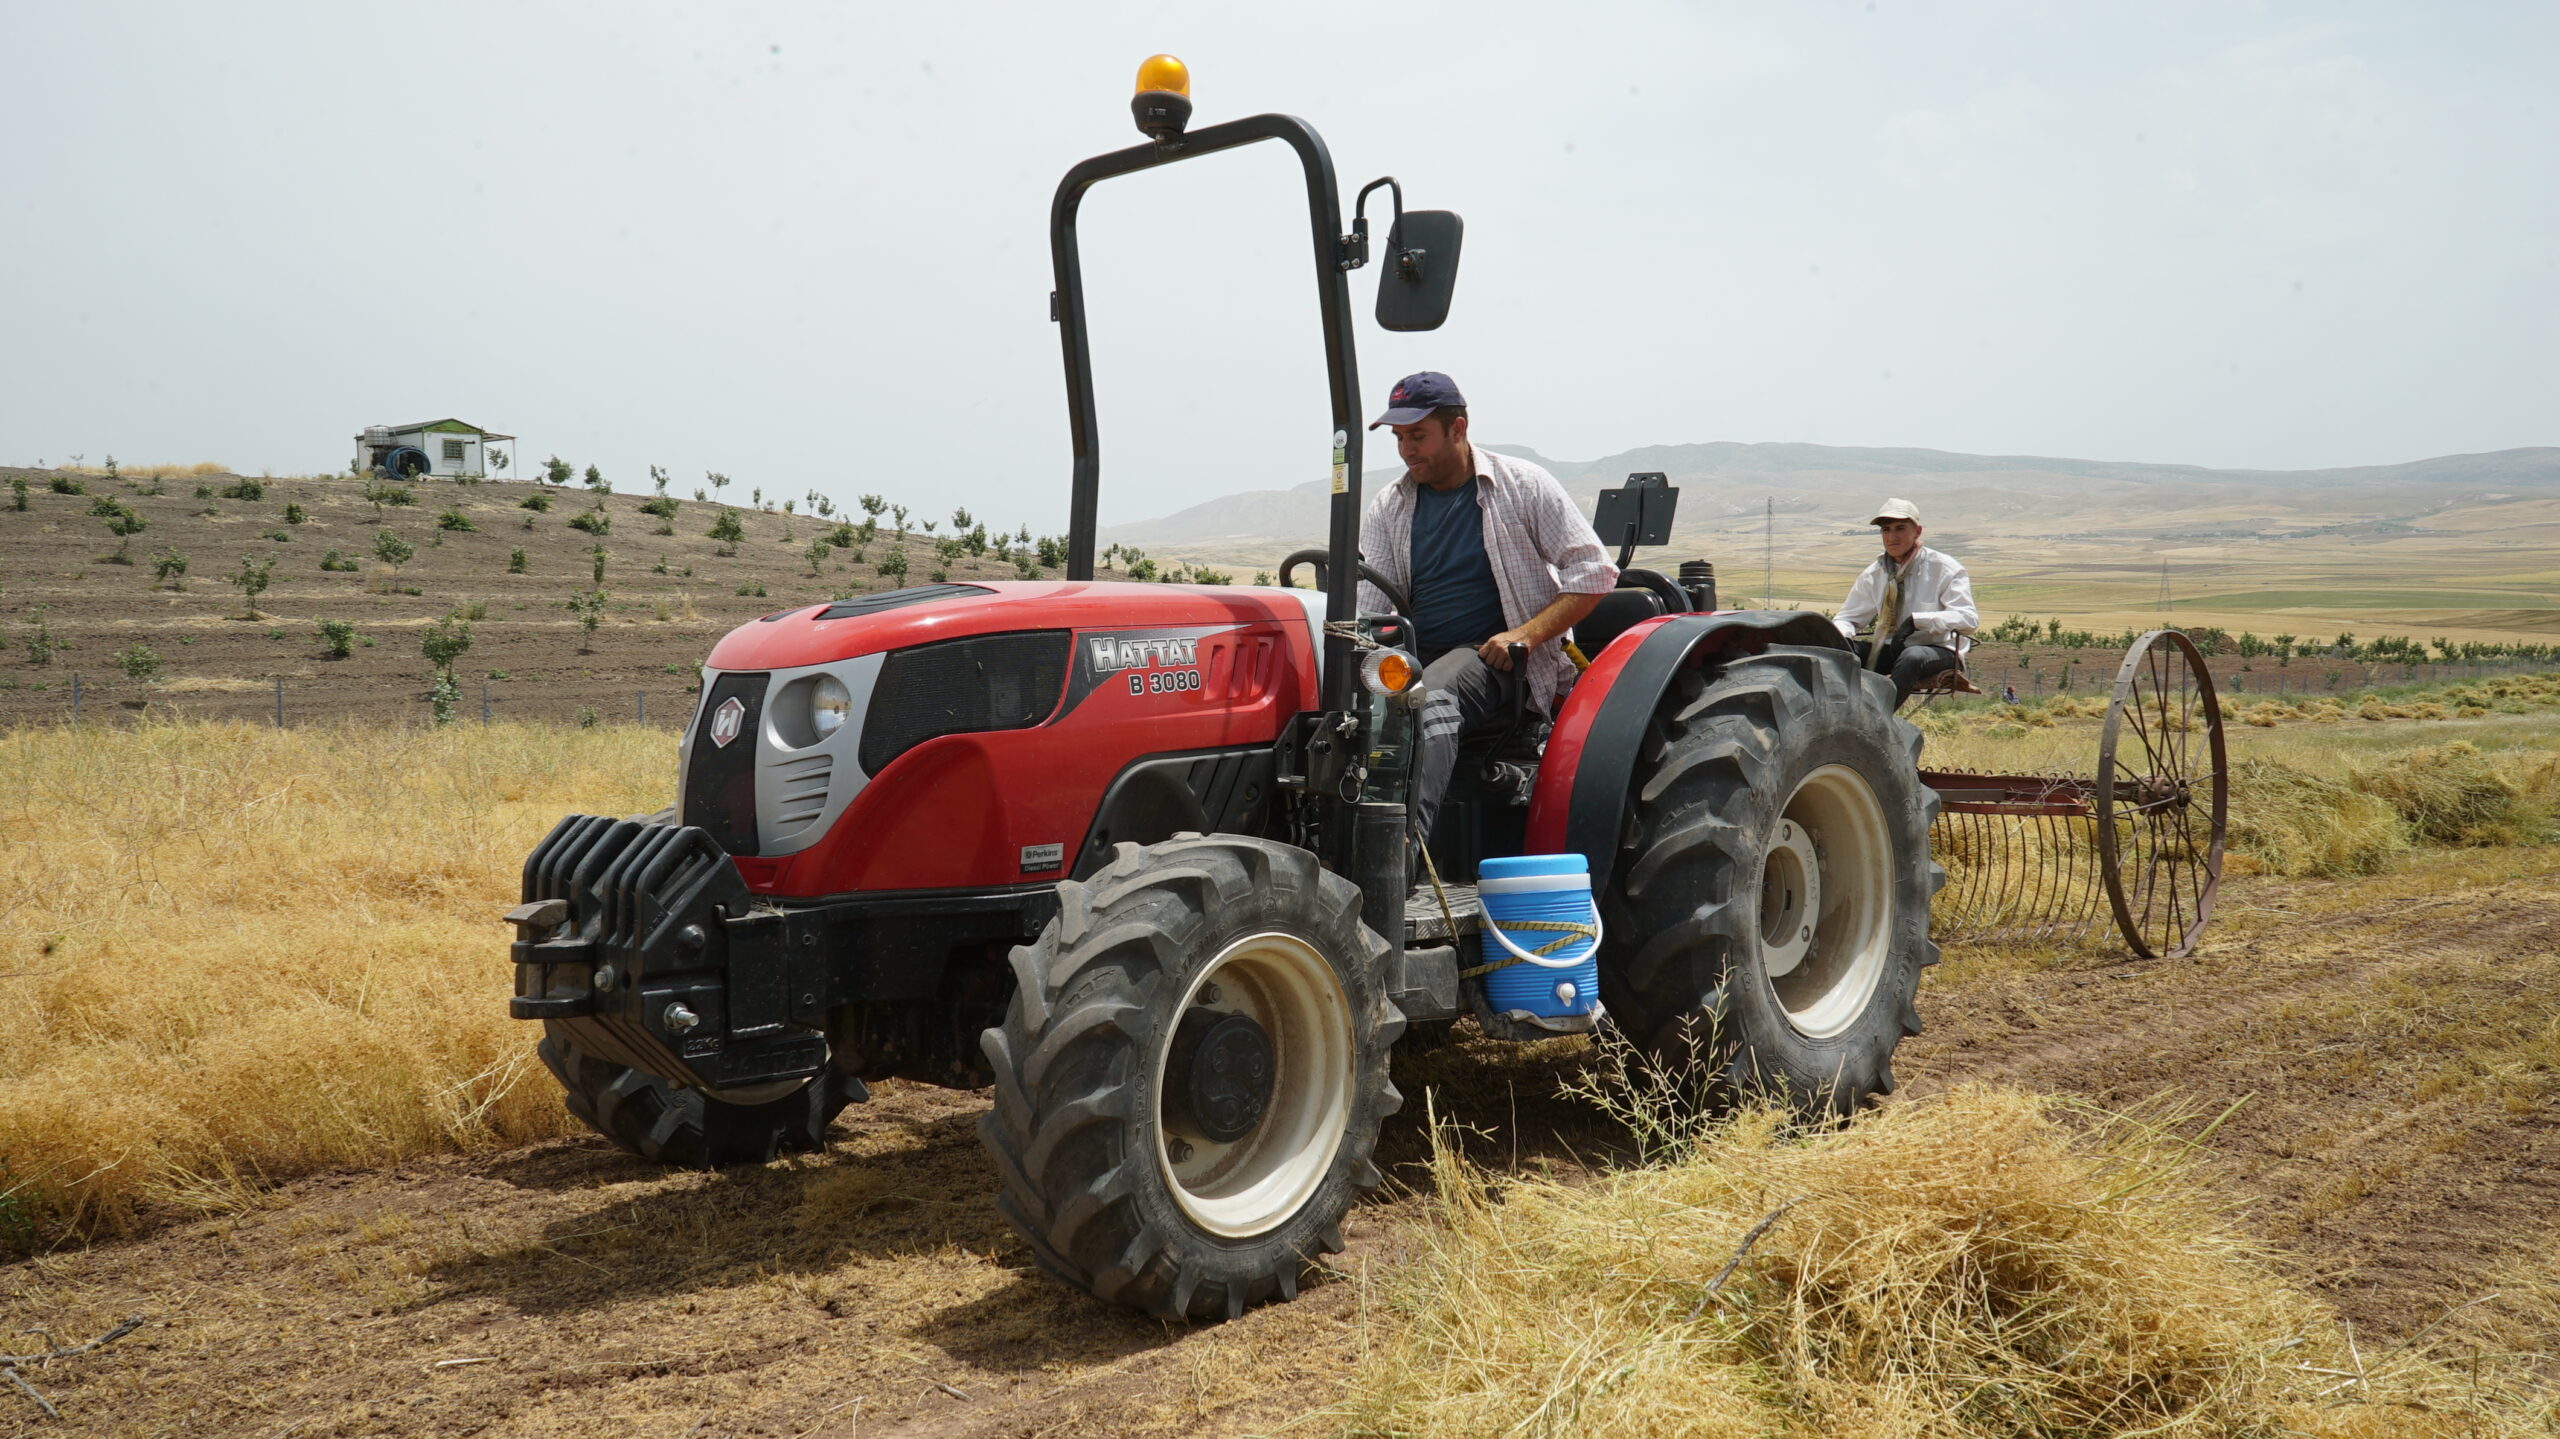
991, 682
799, 792
898, 599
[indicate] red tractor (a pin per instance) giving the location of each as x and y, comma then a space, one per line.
1135, 855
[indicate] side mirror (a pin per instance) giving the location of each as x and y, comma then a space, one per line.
1421, 270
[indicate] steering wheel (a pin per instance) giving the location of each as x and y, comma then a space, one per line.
1675, 598
1317, 559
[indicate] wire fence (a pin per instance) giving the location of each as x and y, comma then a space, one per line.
2307, 679
77, 698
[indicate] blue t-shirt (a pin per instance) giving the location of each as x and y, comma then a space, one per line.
1455, 602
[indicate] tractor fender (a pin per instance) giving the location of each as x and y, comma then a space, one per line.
1580, 801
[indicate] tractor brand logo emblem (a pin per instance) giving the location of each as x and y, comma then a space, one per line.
726, 721
1110, 653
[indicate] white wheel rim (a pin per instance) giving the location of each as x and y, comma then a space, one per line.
1824, 956
1790, 897
1255, 1184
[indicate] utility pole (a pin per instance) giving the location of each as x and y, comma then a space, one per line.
2165, 603
1769, 553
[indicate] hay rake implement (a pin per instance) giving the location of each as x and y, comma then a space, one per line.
2057, 856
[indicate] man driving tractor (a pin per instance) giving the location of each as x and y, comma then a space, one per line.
1919, 600
1491, 553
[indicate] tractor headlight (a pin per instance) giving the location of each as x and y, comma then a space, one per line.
1388, 672
830, 705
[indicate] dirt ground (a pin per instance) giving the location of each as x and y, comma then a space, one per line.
670, 598
2385, 1050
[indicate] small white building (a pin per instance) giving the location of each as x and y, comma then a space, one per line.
440, 449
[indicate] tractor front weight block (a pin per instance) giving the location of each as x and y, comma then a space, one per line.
641, 942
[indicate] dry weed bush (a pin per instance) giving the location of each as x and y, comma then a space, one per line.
234, 954
201, 469
1987, 1264
2454, 794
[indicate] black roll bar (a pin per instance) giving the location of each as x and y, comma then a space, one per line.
1334, 260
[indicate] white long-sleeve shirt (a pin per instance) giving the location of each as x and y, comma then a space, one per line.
1937, 597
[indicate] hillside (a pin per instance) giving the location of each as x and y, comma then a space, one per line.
668, 595
2394, 547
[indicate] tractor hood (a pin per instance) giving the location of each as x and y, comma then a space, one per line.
922, 614
975, 707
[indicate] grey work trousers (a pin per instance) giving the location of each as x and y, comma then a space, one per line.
1909, 664
1465, 698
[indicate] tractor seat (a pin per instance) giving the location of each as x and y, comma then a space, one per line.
1619, 610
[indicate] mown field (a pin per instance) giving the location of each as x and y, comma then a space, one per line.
267, 1101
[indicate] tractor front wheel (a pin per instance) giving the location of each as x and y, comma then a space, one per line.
1768, 914
1191, 1075
666, 1123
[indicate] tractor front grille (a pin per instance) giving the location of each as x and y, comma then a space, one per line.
720, 780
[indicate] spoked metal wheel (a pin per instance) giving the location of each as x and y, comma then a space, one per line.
2163, 796
1826, 901
1254, 1085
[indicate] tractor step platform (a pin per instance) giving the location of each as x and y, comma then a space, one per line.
1424, 923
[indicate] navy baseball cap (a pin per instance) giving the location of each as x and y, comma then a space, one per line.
1416, 396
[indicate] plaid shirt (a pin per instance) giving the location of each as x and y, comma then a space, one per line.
1539, 545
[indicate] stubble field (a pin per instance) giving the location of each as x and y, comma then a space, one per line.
268, 1103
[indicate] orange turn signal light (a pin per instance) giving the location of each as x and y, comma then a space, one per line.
1388, 672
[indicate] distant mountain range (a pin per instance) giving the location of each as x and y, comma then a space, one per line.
1827, 487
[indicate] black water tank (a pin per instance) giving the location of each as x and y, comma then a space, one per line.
1698, 577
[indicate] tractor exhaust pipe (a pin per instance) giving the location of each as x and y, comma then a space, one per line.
1379, 871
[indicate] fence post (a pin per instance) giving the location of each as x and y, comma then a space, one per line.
279, 701
640, 699
484, 702
75, 697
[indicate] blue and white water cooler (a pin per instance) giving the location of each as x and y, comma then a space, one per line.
1543, 931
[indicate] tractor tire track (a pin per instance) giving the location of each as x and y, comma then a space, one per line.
2393, 1116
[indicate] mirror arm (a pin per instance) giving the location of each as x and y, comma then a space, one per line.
1355, 246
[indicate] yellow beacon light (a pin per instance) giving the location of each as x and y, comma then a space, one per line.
1164, 73
1163, 102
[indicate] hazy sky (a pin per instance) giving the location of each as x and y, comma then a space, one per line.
806, 244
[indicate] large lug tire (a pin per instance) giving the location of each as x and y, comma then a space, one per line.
1768, 913
1113, 1115
669, 1124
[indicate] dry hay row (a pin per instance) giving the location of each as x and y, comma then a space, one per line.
1985, 1263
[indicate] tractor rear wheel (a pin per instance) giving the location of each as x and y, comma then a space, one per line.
667, 1123
1191, 1075
1768, 913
